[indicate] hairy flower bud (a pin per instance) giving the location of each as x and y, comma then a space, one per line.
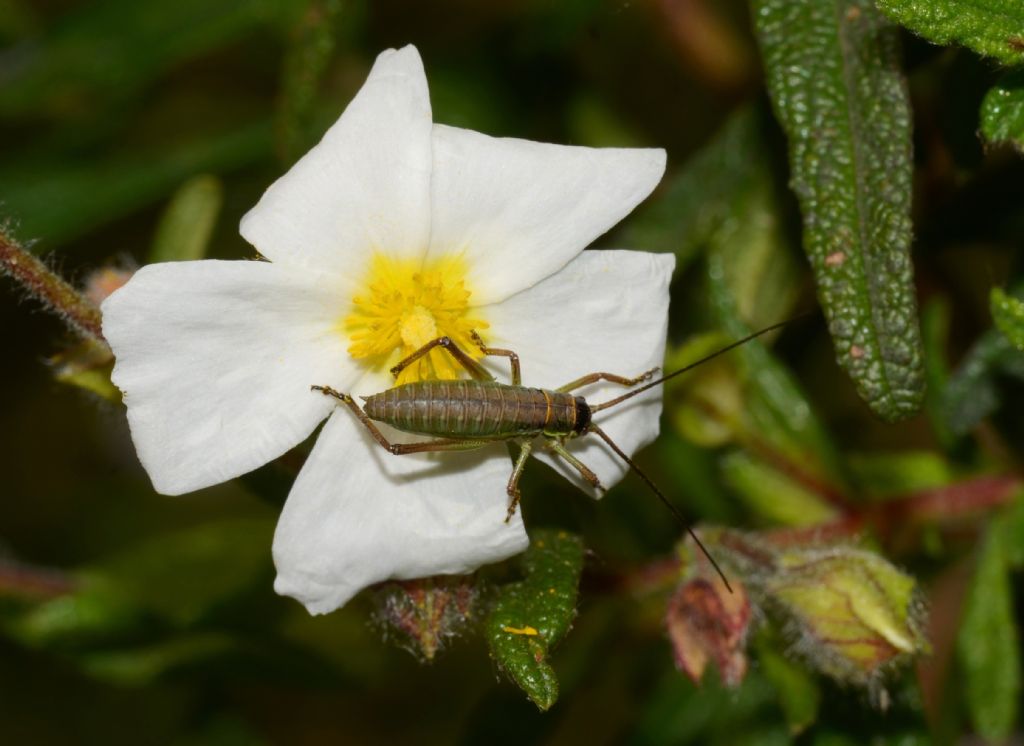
424, 614
851, 612
706, 623
99, 285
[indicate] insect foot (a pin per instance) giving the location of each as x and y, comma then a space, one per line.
328, 391
514, 496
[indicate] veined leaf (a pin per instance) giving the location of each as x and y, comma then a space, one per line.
833, 74
532, 616
994, 28
1002, 111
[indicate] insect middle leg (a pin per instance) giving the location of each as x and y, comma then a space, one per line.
400, 449
595, 377
525, 447
588, 475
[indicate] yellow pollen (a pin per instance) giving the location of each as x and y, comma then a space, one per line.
418, 327
404, 304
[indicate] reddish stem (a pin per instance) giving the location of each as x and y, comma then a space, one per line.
954, 501
17, 579
50, 289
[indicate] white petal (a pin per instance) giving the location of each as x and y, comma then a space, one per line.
606, 311
358, 515
365, 187
215, 360
520, 210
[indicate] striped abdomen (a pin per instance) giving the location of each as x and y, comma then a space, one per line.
478, 409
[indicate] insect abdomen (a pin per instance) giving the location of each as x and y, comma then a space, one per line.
473, 409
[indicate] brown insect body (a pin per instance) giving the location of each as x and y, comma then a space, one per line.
479, 410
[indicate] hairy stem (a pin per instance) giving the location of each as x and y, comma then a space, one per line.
48, 288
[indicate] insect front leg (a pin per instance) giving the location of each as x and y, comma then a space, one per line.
400, 449
474, 368
595, 377
513, 481
556, 447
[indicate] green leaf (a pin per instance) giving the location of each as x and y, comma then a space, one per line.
187, 223
798, 692
693, 205
994, 28
1002, 111
773, 496
882, 475
1008, 313
530, 617
836, 85
309, 52
987, 644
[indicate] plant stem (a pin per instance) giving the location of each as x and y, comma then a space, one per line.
50, 289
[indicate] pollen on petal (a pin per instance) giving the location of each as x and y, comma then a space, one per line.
402, 305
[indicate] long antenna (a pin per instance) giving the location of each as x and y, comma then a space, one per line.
691, 366
679, 517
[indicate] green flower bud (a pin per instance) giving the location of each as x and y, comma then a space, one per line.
853, 614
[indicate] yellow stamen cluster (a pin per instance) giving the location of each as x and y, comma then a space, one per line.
404, 305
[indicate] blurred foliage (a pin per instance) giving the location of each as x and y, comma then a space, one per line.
140, 132
1002, 111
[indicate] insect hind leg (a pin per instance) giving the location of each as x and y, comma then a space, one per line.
399, 449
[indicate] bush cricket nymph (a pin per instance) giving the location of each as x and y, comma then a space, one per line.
466, 414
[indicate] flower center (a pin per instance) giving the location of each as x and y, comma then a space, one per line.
403, 305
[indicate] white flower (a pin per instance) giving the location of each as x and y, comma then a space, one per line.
392, 231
